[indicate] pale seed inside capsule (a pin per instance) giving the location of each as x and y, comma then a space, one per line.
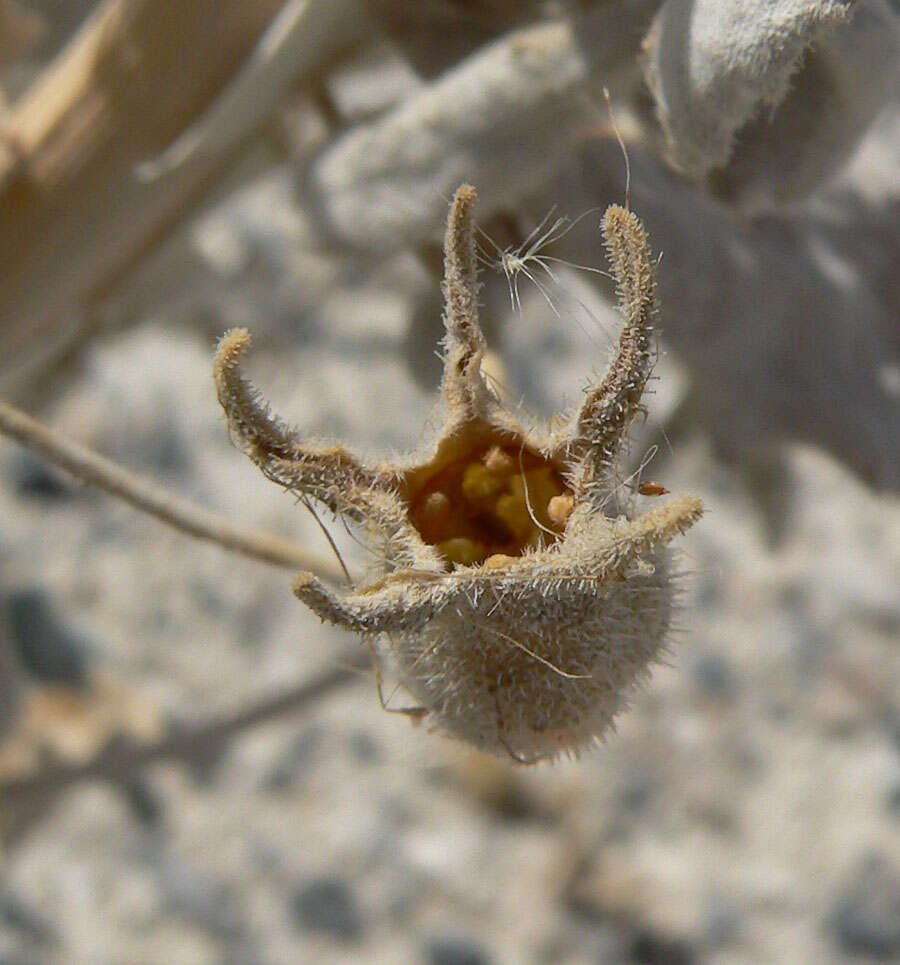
465, 552
559, 509
479, 483
500, 561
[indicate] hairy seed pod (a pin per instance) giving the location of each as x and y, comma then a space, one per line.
516, 609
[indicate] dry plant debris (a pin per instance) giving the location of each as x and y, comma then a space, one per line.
519, 611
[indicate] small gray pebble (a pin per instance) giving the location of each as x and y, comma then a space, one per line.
48, 649
636, 790
363, 748
295, 761
144, 800
327, 905
865, 918
714, 676
649, 947
21, 918
450, 950
165, 451
33, 477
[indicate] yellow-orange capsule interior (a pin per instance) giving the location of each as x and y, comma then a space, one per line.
495, 501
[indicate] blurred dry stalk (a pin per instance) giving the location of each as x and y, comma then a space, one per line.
788, 323
74, 216
24, 798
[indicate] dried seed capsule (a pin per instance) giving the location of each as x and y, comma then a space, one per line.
520, 639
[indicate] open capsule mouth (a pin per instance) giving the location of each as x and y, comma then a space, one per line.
496, 502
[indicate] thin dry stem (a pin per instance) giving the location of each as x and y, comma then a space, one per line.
92, 468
